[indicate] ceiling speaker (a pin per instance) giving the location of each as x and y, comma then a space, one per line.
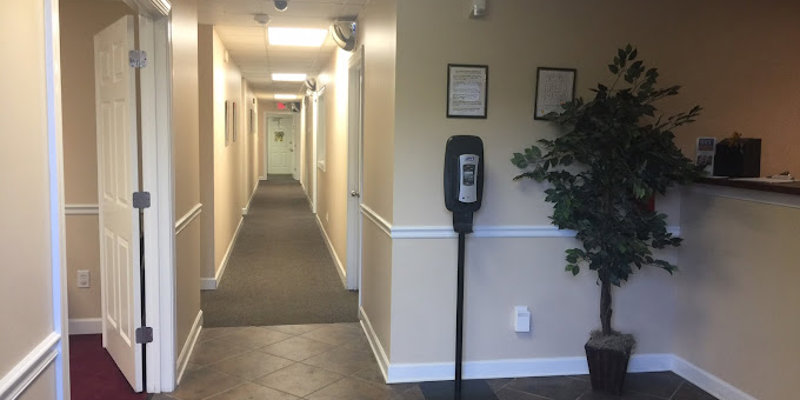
344, 34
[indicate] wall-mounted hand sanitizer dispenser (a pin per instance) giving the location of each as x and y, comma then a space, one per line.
463, 179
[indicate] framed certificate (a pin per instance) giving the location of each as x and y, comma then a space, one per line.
554, 87
467, 87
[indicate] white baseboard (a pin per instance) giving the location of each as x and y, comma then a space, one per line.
207, 283
85, 326
374, 343
246, 208
339, 266
517, 368
188, 347
22, 375
708, 382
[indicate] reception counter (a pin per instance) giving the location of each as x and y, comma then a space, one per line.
738, 278
781, 187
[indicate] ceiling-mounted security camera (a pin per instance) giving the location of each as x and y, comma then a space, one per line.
344, 34
281, 5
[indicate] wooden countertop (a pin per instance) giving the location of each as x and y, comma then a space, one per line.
786, 188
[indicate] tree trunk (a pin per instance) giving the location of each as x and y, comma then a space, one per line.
605, 306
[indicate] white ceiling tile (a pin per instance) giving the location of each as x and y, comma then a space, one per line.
245, 39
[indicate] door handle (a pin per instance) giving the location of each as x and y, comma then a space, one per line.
355, 194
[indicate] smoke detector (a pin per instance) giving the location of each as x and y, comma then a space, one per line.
261, 18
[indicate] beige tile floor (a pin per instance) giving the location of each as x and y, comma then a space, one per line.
315, 362
334, 362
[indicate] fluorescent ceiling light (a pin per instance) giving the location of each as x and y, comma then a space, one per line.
285, 97
289, 77
296, 36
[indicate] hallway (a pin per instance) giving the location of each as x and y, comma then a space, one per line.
280, 271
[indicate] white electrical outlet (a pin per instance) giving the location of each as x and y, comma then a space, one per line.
83, 278
522, 319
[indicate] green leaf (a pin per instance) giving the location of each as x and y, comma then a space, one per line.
611, 152
519, 161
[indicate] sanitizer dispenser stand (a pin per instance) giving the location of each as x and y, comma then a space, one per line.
463, 192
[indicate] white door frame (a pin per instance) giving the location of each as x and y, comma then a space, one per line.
55, 160
155, 38
267, 117
355, 72
318, 164
158, 179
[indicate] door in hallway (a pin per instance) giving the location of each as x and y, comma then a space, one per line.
281, 145
118, 178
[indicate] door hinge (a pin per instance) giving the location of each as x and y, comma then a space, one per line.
144, 335
141, 200
137, 58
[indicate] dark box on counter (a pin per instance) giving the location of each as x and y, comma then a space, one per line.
739, 159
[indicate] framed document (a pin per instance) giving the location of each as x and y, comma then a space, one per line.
554, 87
227, 123
467, 87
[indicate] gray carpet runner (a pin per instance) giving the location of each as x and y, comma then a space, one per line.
280, 271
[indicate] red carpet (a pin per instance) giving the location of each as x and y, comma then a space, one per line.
93, 374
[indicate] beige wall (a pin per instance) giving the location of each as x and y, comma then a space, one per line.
228, 197
308, 146
263, 108
26, 294
186, 148
80, 21
737, 292
254, 142
332, 182
205, 72
502, 272
42, 387
378, 30
516, 38
229, 169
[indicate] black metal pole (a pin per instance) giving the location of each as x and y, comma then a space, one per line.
459, 314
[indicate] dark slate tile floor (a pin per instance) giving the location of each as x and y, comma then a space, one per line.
334, 362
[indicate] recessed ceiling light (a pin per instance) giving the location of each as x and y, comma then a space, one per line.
285, 97
289, 77
296, 36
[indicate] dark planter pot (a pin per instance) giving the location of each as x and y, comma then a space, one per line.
607, 368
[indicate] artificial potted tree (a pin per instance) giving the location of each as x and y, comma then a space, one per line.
616, 152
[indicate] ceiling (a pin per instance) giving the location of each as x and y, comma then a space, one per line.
246, 39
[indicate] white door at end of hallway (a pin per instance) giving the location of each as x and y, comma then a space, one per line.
118, 178
281, 145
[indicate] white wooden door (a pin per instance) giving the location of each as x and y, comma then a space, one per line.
281, 145
354, 171
118, 178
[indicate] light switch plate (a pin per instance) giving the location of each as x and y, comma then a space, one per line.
522, 319
83, 278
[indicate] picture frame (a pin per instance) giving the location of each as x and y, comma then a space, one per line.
467, 91
554, 87
233, 120
227, 123
251, 125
